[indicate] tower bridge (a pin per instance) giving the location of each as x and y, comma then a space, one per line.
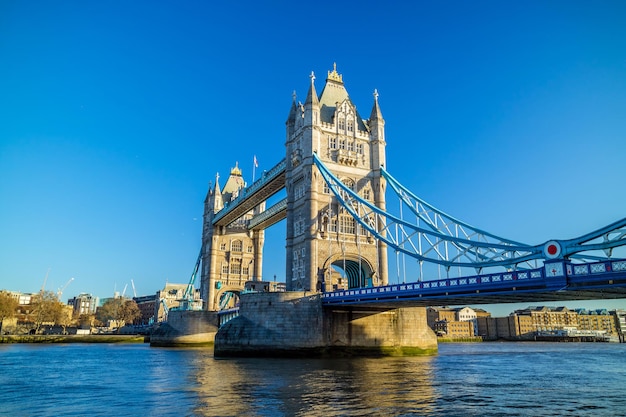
336, 215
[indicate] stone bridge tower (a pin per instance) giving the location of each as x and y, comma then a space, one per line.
326, 248
231, 255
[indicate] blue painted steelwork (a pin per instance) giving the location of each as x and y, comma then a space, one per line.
246, 199
605, 279
188, 301
438, 238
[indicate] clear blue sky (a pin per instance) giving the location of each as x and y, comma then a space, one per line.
114, 117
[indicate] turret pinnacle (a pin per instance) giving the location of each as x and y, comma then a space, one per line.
218, 202
376, 113
311, 97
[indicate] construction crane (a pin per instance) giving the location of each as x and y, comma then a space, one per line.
188, 302
134, 290
124, 292
43, 286
60, 290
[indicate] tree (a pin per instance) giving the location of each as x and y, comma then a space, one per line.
64, 317
86, 320
46, 308
120, 310
108, 310
129, 311
8, 305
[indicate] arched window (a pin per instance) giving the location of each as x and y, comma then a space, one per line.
236, 246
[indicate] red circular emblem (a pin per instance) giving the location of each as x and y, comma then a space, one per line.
552, 249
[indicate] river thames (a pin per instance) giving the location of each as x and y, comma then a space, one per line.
474, 379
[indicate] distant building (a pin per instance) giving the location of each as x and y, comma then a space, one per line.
597, 320
84, 304
170, 297
620, 320
453, 322
24, 307
148, 306
542, 320
549, 318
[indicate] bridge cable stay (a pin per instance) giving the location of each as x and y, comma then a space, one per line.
612, 235
440, 239
438, 221
400, 234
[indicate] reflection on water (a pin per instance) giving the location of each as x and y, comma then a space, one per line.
480, 379
324, 387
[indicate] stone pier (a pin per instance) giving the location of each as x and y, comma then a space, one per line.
295, 324
186, 328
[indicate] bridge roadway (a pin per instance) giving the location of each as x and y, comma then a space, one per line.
270, 183
597, 280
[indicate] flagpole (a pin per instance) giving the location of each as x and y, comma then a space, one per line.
254, 163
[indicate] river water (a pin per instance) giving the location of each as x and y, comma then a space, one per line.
479, 379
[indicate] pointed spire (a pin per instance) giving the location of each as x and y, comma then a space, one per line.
291, 119
311, 97
376, 113
218, 203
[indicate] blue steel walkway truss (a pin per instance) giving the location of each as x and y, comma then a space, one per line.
438, 238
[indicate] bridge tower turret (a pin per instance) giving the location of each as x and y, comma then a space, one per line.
326, 247
231, 254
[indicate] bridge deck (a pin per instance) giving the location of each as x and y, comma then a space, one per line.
598, 280
269, 184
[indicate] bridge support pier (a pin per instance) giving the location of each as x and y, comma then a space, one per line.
186, 328
294, 324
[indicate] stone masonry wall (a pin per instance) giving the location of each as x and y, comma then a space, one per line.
290, 323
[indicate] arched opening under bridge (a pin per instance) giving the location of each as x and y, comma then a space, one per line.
348, 271
228, 299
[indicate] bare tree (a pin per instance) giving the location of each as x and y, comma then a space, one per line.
8, 305
46, 308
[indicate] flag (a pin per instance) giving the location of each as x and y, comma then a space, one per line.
256, 163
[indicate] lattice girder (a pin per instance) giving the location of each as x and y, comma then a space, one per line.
439, 238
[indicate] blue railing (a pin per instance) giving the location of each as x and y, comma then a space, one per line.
526, 280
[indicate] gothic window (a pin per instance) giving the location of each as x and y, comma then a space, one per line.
326, 188
245, 270
236, 246
350, 184
249, 248
299, 189
342, 144
359, 148
299, 226
366, 194
350, 126
347, 225
235, 268
224, 269
223, 246
332, 143
350, 146
342, 124
333, 224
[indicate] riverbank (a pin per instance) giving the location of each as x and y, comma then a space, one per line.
73, 338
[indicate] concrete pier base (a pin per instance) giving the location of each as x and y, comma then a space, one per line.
294, 324
186, 328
